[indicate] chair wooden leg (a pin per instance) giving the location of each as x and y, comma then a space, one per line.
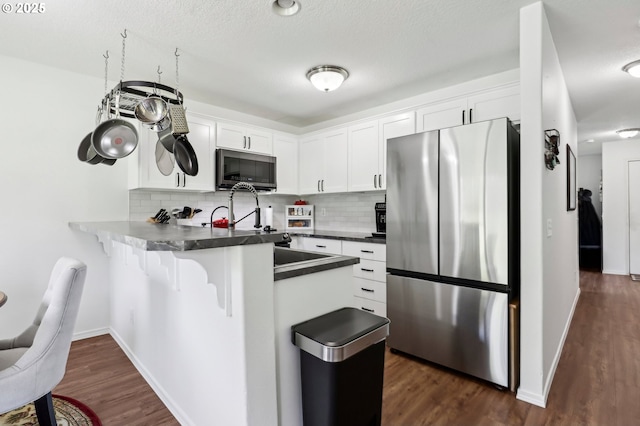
45, 412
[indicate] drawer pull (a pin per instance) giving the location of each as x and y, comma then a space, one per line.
366, 289
366, 251
319, 246
366, 309
366, 270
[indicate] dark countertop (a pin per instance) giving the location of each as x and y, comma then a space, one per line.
360, 237
167, 237
312, 266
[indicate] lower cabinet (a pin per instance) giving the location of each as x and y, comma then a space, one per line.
369, 276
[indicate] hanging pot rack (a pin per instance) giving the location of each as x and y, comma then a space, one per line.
132, 92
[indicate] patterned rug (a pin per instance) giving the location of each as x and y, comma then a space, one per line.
69, 412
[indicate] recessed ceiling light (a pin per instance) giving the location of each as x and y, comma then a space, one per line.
327, 77
633, 68
628, 133
285, 7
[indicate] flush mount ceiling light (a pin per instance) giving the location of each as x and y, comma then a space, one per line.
285, 7
327, 77
628, 133
633, 68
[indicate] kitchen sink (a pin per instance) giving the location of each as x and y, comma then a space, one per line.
286, 256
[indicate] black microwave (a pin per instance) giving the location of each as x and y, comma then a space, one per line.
238, 166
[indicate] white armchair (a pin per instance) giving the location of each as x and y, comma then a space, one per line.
33, 363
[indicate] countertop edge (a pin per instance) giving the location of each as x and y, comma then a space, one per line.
338, 235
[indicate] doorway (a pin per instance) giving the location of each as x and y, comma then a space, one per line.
634, 220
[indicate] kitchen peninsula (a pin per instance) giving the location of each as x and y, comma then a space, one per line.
205, 316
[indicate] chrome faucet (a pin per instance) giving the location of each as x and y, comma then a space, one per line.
248, 187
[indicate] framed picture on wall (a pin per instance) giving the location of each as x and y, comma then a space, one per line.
571, 179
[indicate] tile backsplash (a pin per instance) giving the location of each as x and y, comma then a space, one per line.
351, 212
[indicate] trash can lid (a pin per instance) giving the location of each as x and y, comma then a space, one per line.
339, 334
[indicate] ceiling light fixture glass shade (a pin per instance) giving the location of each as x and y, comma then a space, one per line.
327, 77
633, 68
285, 7
628, 133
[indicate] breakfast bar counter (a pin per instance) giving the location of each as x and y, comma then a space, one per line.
205, 315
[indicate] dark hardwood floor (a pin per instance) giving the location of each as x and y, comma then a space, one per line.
597, 381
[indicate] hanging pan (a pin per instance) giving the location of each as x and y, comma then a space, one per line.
167, 139
115, 137
185, 156
164, 159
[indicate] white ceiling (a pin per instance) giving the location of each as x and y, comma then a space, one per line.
240, 55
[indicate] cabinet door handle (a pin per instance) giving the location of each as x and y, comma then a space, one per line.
184, 180
380, 181
318, 185
249, 138
366, 270
366, 289
375, 184
244, 144
470, 115
368, 310
322, 185
177, 180
462, 116
366, 251
319, 246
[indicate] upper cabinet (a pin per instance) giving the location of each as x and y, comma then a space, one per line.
143, 169
393, 127
244, 138
285, 149
368, 149
487, 105
323, 162
364, 157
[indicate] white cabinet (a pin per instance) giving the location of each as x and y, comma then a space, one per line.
487, 105
320, 245
144, 173
370, 276
392, 127
323, 162
285, 149
368, 149
364, 157
238, 137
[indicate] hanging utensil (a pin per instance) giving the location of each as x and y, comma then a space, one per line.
164, 159
167, 139
185, 156
115, 137
152, 111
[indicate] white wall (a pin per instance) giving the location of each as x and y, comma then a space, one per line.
549, 286
615, 206
589, 169
45, 114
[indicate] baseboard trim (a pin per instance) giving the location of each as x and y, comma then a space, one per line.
90, 333
171, 405
614, 272
531, 397
556, 359
540, 399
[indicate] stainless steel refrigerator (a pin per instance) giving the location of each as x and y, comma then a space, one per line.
453, 245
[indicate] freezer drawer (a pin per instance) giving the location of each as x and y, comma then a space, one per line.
459, 327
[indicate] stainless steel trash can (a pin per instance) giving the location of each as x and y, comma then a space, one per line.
342, 367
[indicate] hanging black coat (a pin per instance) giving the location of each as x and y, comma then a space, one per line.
588, 221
